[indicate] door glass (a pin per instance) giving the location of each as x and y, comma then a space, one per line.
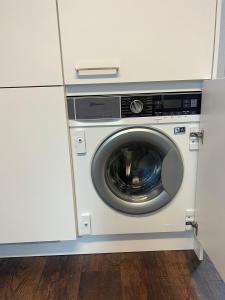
133, 172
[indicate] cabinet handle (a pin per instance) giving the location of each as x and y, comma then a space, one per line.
87, 71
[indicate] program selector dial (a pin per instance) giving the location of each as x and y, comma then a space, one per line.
136, 106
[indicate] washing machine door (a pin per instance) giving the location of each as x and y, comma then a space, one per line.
137, 170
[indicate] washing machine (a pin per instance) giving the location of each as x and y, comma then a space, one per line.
134, 160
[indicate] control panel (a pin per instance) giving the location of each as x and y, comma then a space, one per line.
135, 105
161, 105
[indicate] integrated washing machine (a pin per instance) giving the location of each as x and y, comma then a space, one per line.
134, 160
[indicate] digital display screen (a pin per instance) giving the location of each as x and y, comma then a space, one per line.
172, 103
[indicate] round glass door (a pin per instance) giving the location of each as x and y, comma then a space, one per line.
137, 170
133, 172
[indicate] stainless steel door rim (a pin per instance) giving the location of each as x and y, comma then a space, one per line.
155, 179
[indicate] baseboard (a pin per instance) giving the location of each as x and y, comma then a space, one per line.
103, 244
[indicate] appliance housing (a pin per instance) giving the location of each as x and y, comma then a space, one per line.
95, 216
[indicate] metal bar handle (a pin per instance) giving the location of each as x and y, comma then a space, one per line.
85, 71
96, 68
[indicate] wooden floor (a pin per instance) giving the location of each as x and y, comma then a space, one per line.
147, 275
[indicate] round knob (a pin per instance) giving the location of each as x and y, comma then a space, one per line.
136, 106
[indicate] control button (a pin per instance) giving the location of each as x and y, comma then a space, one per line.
186, 105
136, 106
185, 112
194, 102
158, 102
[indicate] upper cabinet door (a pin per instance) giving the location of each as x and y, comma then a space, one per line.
219, 53
210, 202
136, 41
30, 48
36, 196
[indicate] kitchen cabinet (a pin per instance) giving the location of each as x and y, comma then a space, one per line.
30, 48
219, 52
36, 195
210, 200
139, 41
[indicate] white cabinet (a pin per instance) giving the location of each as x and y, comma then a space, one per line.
136, 41
30, 48
36, 196
210, 202
219, 53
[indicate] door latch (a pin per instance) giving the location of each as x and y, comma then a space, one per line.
197, 134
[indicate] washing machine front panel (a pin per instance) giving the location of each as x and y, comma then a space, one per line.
106, 220
137, 170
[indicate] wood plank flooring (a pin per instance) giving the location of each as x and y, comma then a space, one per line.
172, 275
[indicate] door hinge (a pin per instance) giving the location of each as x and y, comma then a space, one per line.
198, 134
194, 225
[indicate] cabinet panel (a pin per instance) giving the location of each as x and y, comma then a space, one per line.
210, 204
36, 197
219, 55
135, 41
30, 49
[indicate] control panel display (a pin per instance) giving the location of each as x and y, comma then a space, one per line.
176, 103
134, 105
165, 104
